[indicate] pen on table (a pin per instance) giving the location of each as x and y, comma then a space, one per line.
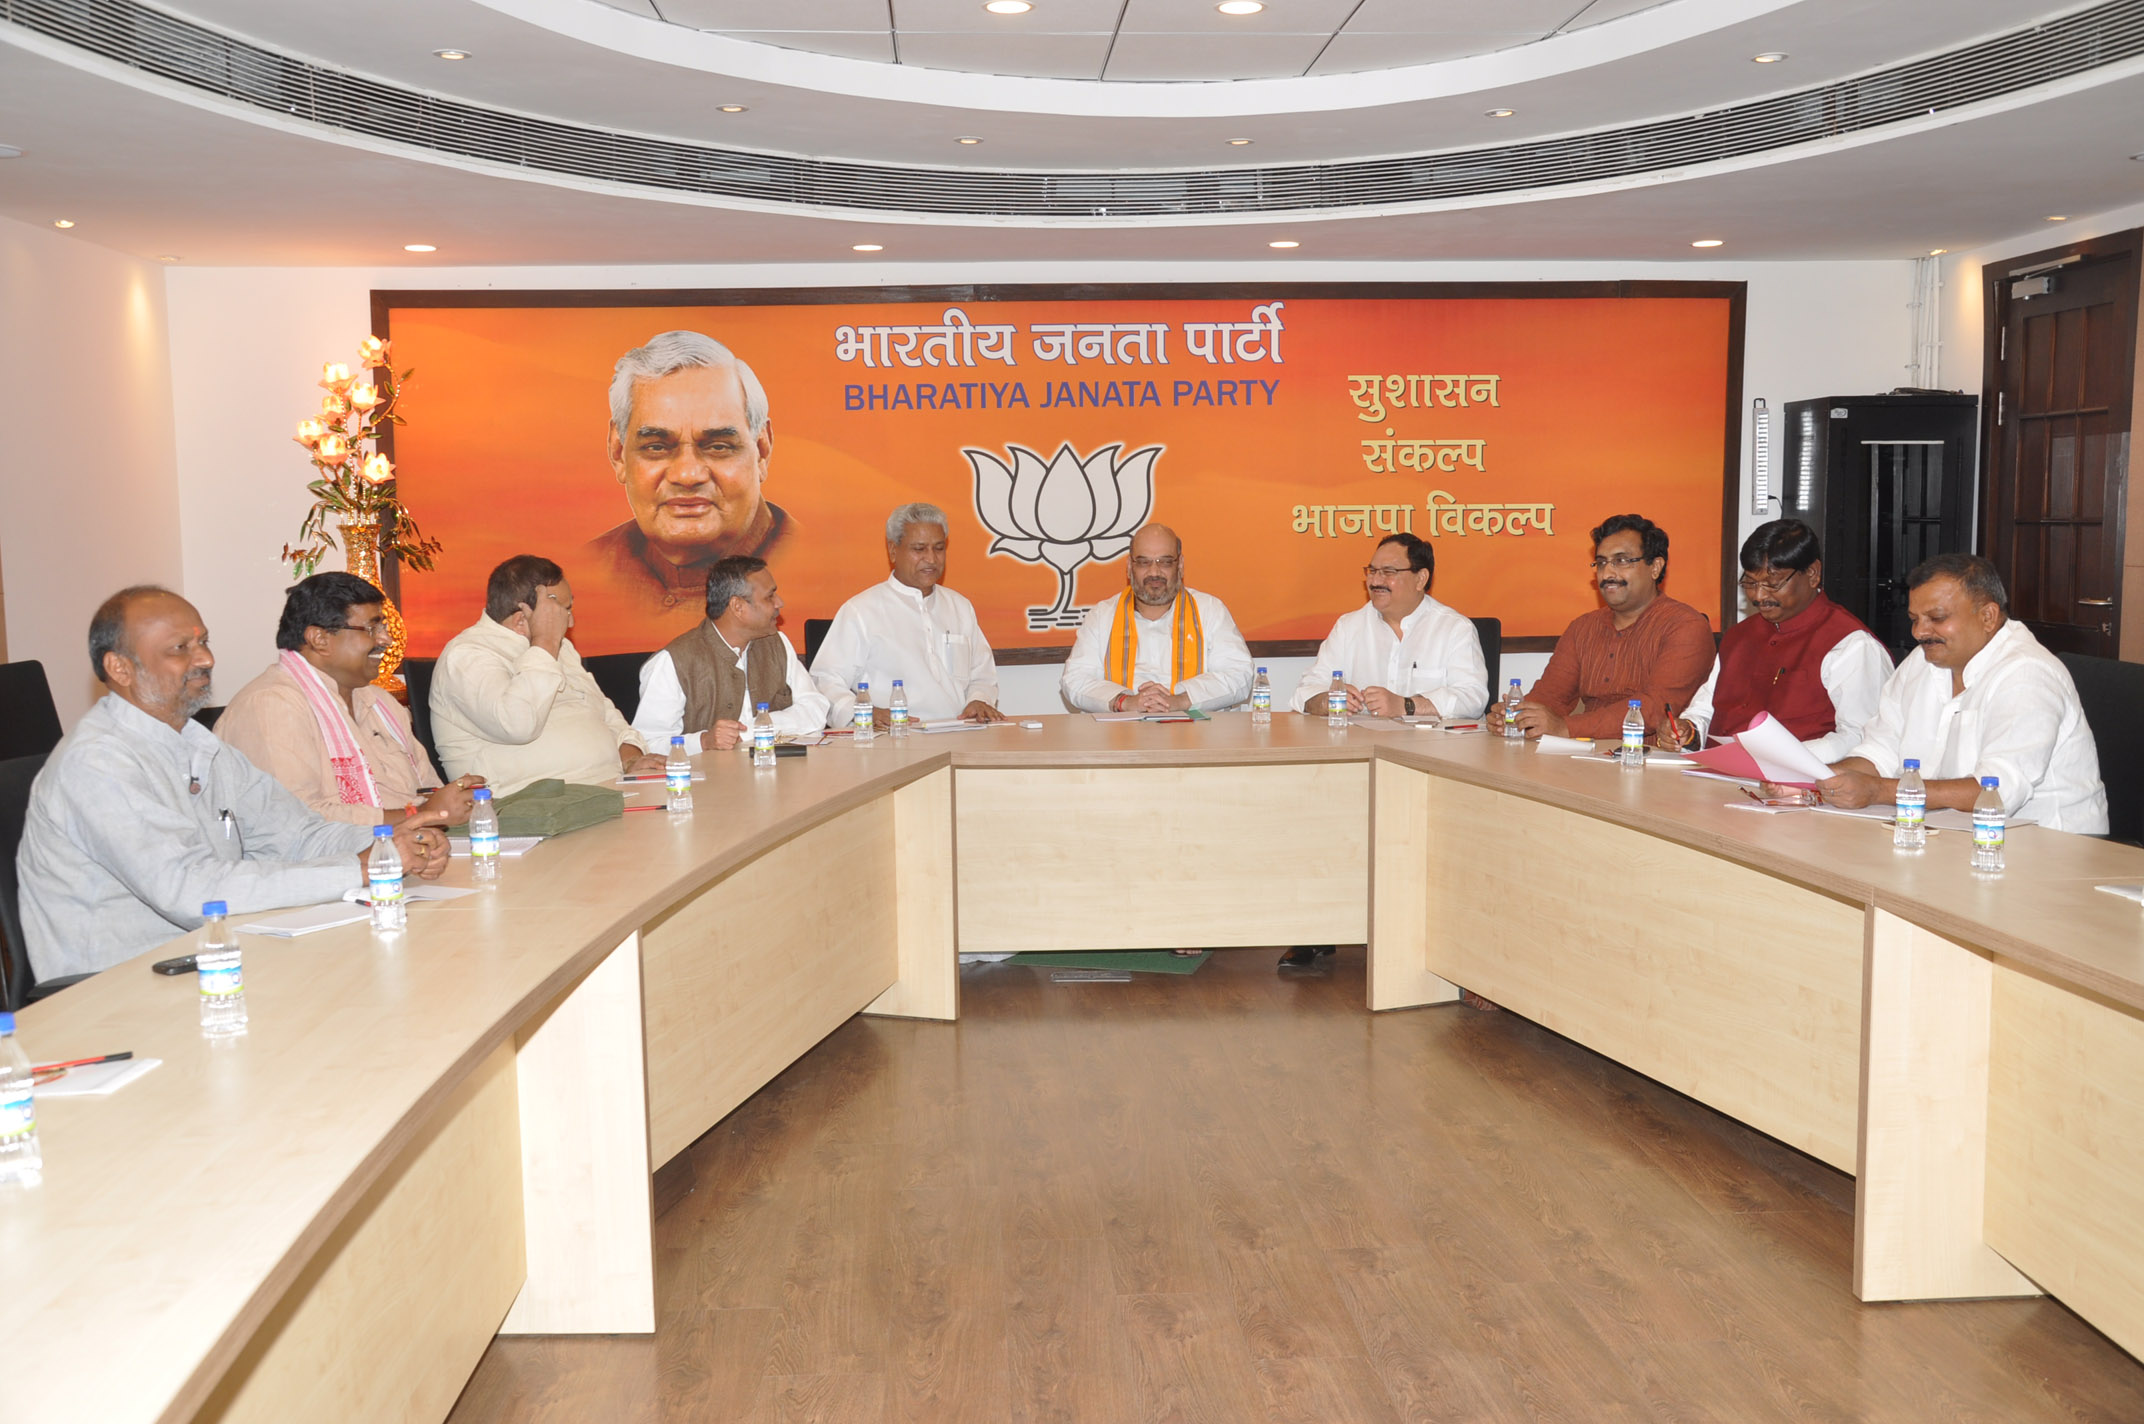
55, 1069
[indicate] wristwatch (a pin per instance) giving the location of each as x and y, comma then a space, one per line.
1410, 706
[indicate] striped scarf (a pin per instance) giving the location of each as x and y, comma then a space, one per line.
353, 779
1187, 642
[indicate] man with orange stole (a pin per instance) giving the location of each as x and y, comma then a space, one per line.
1157, 646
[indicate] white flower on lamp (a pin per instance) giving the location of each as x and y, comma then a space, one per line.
1063, 512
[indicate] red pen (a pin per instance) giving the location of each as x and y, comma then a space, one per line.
82, 1062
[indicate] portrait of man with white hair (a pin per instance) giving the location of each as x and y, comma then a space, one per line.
689, 444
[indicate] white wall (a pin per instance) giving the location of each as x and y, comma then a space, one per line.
247, 344
1962, 307
89, 498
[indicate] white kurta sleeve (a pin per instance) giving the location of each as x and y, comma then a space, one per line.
1699, 713
1082, 685
1465, 691
505, 701
806, 712
1853, 673
661, 714
840, 660
621, 731
1881, 738
1317, 679
1226, 682
982, 670
2018, 731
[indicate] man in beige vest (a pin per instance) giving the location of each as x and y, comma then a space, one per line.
706, 683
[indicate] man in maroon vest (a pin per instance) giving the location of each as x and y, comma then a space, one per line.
706, 683
1813, 666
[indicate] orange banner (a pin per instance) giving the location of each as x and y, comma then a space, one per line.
1281, 436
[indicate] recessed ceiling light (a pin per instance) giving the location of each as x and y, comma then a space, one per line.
1008, 7
731, 108
1284, 242
450, 54
1499, 113
418, 247
868, 247
2058, 217
1239, 143
167, 258
968, 139
8, 150
1770, 56
1937, 251
1707, 242
63, 222
1240, 7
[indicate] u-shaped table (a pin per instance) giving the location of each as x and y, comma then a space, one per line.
424, 1141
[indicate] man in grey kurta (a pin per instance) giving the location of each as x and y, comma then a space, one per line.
142, 815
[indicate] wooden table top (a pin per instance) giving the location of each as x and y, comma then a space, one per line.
173, 1215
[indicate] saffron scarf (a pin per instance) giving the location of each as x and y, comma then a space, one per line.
353, 779
1187, 642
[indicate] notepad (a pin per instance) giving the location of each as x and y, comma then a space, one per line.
509, 846
1563, 746
418, 891
97, 1080
308, 921
1767, 752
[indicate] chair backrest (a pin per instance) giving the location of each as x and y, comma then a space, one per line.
1491, 633
16, 774
2112, 693
814, 635
209, 716
618, 674
29, 723
417, 678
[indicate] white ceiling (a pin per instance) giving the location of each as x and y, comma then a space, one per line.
1141, 39
158, 173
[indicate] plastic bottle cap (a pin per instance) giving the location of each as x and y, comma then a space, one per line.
1990, 782
483, 793
1261, 668
215, 907
1636, 703
383, 832
897, 682
762, 706
677, 741
1913, 763
7, 1024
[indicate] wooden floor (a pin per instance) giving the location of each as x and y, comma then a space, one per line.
1164, 1201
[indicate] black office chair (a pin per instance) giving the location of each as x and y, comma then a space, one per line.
209, 717
1491, 633
618, 674
417, 677
29, 723
814, 635
2113, 696
18, 985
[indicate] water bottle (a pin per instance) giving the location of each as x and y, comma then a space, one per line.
1261, 700
1910, 830
1989, 819
484, 836
1336, 701
860, 721
1507, 720
897, 708
763, 736
223, 983
21, 1159
677, 778
1633, 757
384, 868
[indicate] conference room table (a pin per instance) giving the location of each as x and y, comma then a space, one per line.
426, 1139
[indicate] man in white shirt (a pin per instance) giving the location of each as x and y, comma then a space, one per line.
1157, 646
511, 701
1978, 697
913, 628
1402, 654
707, 683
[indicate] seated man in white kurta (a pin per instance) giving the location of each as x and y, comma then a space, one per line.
1402, 654
913, 628
1978, 696
1157, 646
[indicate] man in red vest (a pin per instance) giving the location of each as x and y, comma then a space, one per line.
1815, 667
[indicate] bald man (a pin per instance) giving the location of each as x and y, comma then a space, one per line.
142, 816
1157, 646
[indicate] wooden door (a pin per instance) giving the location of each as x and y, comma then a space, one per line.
2062, 357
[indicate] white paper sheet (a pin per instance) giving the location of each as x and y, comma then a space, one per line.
1564, 746
97, 1080
1780, 754
2127, 892
509, 846
308, 921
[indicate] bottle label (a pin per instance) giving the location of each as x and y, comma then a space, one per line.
675, 778
1912, 810
898, 714
762, 737
862, 720
221, 981
1633, 741
1261, 699
483, 844
386, 891
18, 1111
1987, 832
1336, 702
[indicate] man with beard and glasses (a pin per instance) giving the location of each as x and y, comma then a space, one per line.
142, 816
1978, 696
1813, 667
1641, 644
1157, 646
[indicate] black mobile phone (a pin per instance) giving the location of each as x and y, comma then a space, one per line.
786, 749
184, 964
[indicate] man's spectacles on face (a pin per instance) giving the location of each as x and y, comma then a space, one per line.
369, 631
1773, 586
1378, 571
1618, 562
1154, 566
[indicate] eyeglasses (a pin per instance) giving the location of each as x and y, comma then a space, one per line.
1774, 586
370, 631
1618, 562
1154, 566
1378, 571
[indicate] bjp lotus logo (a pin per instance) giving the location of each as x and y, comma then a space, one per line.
1063, 512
